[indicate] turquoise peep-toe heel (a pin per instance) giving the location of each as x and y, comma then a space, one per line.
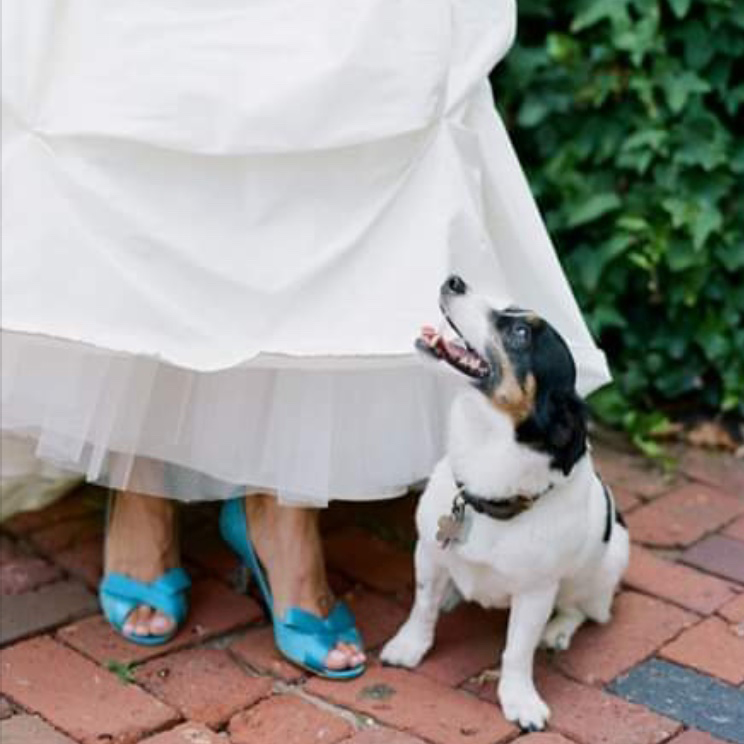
303, 638
119, 595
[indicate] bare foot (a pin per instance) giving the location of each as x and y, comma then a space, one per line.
287, 541
142, 543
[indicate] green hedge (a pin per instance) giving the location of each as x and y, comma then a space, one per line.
623, 113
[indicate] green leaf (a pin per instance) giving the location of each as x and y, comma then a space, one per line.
682, 255
679, 86
595, 11
708, 220
654, 139
680, 8
698, 49
532, 112
593, 208
123, 670
632, 223
731, 256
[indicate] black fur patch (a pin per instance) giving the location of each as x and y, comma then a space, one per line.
557, 423
557, 427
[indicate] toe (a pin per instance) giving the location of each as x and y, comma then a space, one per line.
134, 621
344, 656
161, 624
336, 659
356, 655
143, 622
131, 622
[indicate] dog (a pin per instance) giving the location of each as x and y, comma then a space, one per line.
514, 515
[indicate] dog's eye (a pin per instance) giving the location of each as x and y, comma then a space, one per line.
520, 336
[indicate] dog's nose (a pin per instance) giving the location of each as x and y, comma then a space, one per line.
454, 285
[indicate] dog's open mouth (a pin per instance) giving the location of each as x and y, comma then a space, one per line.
455, 351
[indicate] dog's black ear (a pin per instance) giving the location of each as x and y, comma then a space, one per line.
557, 426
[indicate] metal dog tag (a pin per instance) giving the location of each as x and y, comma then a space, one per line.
452, 525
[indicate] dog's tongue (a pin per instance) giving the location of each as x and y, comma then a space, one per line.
435, 342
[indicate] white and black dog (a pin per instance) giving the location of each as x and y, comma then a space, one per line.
514, 515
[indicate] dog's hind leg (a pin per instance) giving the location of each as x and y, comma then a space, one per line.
559, 631
598, 603
589, 595
416, 635
452, 598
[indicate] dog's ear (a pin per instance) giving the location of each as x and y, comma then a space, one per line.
557, 426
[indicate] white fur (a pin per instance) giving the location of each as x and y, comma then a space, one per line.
548, 561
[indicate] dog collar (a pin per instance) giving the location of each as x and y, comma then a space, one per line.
451, 525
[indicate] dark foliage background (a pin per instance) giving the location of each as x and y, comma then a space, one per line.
628, 117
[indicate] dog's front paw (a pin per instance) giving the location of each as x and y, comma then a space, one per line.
522, 705
406, 648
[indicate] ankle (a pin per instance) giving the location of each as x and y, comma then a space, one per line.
142, 538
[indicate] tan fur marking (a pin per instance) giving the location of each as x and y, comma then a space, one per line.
515, 400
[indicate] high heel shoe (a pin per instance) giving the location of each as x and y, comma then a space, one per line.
120, 595
303, 638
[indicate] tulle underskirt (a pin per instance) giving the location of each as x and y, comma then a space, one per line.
309, 431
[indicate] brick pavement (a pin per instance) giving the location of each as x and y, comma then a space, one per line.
666, 670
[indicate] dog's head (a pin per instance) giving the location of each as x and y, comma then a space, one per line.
521, 363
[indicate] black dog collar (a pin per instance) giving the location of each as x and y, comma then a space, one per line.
451, 525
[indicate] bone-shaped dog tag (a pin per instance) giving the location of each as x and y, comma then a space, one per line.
451, 526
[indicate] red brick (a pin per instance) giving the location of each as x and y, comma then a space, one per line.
695, 737
256, 648
84, 560
187, 733
30, 730
383, 736
370, 560
625, 500
6, 709
719, 555
468, 640
545, 737
215, 610
78, 504
591, 716
632, 473
734, 610
378, 617
717, 468
25, 574
679, 584
290, 720
713, 647
683, 516
639, 626
419, 706
205, 685
735, 529
63, 536
10, 550
83, 700
46, 608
